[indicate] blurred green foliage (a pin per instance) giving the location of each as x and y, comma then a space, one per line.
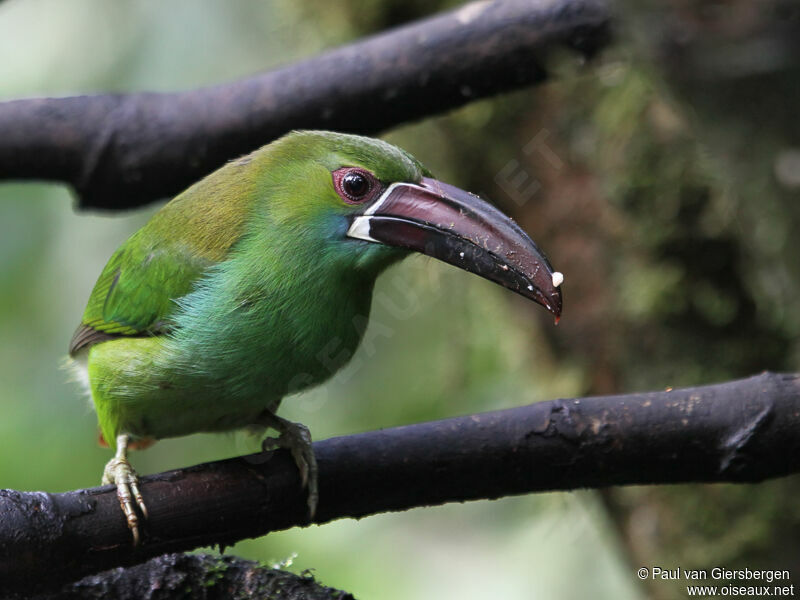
601, 166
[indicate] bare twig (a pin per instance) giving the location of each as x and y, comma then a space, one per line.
745, 430
119, 151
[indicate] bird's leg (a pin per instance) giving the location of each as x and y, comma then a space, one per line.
296, 438
120, 472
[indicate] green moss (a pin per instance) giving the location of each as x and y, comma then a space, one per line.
215, 572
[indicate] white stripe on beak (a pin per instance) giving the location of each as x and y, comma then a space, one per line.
359, 229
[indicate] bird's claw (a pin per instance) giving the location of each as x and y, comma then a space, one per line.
119, 472
296, 438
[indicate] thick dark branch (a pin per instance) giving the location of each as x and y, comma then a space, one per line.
745, 430
119, 151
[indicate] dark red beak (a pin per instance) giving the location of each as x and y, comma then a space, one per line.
460, 228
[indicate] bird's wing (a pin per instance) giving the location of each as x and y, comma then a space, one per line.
137, 291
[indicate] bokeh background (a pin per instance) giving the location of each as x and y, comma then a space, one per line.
679, 263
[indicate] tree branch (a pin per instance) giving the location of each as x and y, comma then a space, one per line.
119, 151
196, 576
740, 431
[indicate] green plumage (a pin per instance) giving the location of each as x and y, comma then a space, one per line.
237, 292
257, 282
137, 289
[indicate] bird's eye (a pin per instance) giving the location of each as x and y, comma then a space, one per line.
355, 185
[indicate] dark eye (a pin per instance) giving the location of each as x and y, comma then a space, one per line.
355, 185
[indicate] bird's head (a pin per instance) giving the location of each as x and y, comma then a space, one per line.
364, 203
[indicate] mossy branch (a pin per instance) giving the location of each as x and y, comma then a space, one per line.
196, 576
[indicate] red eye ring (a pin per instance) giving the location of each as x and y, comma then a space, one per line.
355, 185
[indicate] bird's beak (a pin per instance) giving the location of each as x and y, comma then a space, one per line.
459, 228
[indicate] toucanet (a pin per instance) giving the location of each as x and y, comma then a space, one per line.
222, 304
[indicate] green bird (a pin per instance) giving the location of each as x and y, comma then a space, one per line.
205, 318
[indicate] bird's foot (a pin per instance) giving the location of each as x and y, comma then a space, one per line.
119, 472
296, 438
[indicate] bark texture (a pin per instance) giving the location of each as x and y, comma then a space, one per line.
740, 431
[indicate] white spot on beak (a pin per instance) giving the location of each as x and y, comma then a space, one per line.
461, 254
530, 288
360, 229
558, 278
